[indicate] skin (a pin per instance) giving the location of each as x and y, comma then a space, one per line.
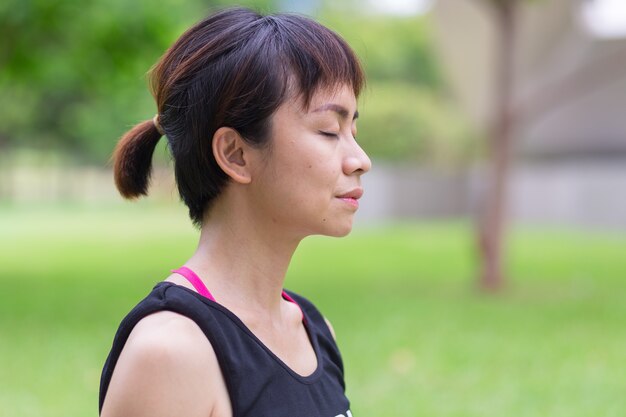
277, 195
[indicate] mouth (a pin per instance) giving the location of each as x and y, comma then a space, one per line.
352, 197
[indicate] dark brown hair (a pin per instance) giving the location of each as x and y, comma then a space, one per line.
234, 69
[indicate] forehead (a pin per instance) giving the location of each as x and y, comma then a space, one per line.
339, 99
325, 104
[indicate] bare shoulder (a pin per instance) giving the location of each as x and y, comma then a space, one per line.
331, 328
166, 368
158, 329
169, 338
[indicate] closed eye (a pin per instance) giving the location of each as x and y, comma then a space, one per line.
329, 134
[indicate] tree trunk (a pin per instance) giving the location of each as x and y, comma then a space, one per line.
492, 222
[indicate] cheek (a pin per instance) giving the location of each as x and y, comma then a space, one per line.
303, 173
321, 173
308, 186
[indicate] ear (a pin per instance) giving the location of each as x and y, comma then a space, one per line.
231, 154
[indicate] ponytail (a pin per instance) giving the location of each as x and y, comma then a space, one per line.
132, 159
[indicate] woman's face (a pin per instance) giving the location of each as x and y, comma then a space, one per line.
310, 179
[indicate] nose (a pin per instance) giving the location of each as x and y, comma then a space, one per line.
356, 160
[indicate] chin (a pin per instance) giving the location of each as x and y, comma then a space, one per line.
343, 233
338, 230
338, 226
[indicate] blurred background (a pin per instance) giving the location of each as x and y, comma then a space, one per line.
485, 274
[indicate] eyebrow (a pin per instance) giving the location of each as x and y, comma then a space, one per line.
340, 110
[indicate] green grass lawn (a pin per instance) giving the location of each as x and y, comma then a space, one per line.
417, 338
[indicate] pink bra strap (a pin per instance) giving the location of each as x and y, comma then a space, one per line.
195, 281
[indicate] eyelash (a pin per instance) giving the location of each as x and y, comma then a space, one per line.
328, 134
332, 135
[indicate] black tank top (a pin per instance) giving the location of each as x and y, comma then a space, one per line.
259, 383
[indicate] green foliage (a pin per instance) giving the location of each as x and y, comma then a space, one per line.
72, 70
391, 48
72, 73
416, 339
401, 120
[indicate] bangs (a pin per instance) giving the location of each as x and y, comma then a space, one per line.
315, 57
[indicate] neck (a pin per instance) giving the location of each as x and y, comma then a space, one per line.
243, 261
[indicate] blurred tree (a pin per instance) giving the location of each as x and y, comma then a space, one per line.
510, 112
491, 227
72, 72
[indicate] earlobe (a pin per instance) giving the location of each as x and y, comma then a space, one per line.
229, 150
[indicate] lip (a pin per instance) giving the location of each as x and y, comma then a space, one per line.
355, 194
352, 197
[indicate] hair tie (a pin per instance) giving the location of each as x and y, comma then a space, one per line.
157, 125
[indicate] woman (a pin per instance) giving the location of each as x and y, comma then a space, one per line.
259, 113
